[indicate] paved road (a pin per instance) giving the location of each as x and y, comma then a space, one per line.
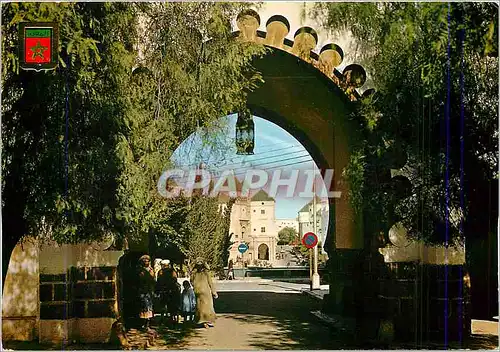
259, 285
258, 320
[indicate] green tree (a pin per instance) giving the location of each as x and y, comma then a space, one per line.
123, 122
194, 73
205, 231
40, 195
414, 53
287, 235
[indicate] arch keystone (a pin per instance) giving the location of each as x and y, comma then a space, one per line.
248, 21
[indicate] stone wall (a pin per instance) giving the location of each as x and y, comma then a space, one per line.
423, 301
417, 251
78, 294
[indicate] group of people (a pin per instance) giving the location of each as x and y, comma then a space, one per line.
161, 293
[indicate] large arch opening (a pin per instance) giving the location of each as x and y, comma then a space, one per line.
263, 252
305, 103
269, 208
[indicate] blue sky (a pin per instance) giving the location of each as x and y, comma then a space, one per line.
274, 149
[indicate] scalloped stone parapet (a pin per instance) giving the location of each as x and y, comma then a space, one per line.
277, 28
305, 40
248, 21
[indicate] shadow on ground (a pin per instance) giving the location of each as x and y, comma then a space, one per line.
296, 327
167, 338
172, 337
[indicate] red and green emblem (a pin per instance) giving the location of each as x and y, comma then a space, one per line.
38, 46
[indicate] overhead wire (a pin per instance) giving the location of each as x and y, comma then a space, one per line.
242, 173
249, 156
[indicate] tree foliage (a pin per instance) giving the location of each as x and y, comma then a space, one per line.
123, 122
87, 87
431, 65
287, 235
205, 231
195, 73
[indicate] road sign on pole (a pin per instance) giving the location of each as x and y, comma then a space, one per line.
310, 240
242, 248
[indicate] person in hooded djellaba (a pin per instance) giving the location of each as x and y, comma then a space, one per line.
205, 293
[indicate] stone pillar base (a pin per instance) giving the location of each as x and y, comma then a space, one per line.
413, 297
341, 266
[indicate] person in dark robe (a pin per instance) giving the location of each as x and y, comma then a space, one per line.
169, 292
146, 289
230, 270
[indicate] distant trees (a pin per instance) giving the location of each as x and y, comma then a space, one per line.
287, 235
205, 232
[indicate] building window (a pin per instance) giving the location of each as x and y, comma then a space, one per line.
236, 236
262, 229
255, 229
254, 210
262, 203
262, 211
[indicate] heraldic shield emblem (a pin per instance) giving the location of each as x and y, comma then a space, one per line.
38, 45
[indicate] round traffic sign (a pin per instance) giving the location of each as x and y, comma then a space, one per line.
310, 240
242, 248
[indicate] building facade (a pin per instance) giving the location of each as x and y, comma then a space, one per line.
305, 219
253, 222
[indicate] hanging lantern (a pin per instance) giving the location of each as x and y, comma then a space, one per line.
245, 136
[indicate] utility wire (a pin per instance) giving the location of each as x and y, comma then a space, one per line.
262, 152
296, 153
249, 156
184, 178
271, 162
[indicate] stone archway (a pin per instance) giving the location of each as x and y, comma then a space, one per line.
263, 252
304, 94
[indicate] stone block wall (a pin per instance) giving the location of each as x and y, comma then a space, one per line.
424, 301
77, 293
80, 293
94, 293
77, 302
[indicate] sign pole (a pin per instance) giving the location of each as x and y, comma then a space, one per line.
310, 265
315, 278
309, 240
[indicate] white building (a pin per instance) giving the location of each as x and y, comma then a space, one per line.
306, 219
253, 222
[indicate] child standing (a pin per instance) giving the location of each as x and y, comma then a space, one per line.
188, 302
